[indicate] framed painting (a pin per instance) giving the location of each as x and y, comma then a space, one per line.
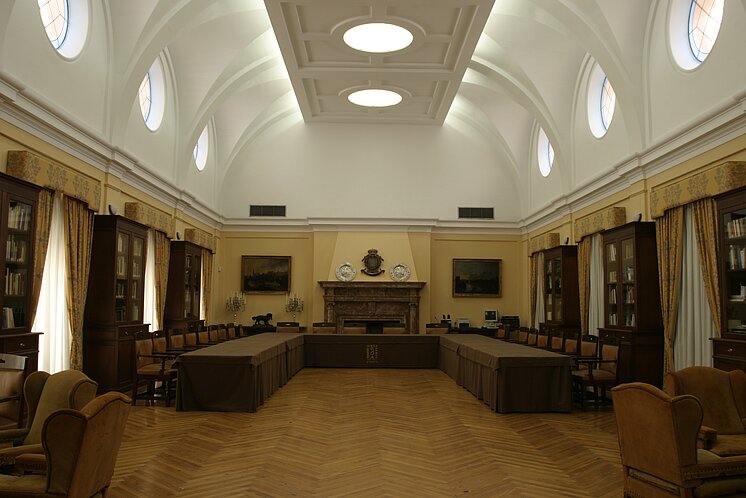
265, 274
477, 277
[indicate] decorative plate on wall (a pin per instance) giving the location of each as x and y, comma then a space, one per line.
400, 272
345, 272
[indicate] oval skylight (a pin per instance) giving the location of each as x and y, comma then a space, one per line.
374, 97
378, 37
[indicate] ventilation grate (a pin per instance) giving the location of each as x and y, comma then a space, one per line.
255, 210
479, 213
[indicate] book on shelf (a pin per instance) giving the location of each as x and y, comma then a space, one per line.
611, 252
735, 228
8, 318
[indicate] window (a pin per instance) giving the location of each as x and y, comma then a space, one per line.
704, 25
601, 102
693, 27
545, 153
200, 150
152, 96
66, 24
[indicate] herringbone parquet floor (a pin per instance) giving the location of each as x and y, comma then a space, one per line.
368, 433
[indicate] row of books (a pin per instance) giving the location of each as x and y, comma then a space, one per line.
735, 228
736, 257
8, 318
15, 283
19, 217
15, 250
629, 319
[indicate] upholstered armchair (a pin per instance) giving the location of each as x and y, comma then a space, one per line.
12, 377
658, 445
45, 393
723, 398
80, 448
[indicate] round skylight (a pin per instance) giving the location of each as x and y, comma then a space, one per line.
377, 37
374, 97
66, 25
704, 25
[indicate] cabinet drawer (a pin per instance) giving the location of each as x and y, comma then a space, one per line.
621, 336
729, 348
20, 344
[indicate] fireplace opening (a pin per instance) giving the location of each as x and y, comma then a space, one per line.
373, 325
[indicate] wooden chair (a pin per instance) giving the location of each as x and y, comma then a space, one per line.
511, 334
658, 447
570, 346
522, 335
288, 327
395, 329
324, 328
436, 328
533, 336
12, 377
542, 339
191, 341
151, 369
222, 332
556, 341
203, 338
80, 452
600, 374
354, 329
232, 332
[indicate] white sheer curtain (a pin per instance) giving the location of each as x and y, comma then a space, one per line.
692, 345
596, 301
52, 318
539, 292
149, 314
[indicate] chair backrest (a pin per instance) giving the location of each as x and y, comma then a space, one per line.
556, 340
533, 336
160, 343
190, 338
231, 330
176, 339
82, 446
46, 393
395, 330
500, 332
722, 395
203, 337
436, 328
523, 335
657, 433
144, 349
353, 330
542, 341
12, 377
222, 333
589, 345
288, 327
571, 343
212, 333
610, 354
324, 328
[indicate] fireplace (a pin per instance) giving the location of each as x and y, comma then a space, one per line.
373, 304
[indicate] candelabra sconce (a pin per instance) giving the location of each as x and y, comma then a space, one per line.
236, 304
294, 305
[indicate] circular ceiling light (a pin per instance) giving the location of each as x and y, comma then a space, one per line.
374, 97
378, 37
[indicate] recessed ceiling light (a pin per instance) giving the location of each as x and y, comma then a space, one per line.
374, 97
378, 37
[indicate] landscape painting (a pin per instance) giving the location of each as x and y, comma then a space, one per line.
265, 274
477, 277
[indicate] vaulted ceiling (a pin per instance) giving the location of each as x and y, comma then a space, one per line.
270, 84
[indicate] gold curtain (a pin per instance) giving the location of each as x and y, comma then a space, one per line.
41, 243
705, 223
584, 280
78, 228
206, 282
532, 285
161, 260
669, 234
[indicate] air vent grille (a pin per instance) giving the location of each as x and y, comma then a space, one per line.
478, 213
256, 210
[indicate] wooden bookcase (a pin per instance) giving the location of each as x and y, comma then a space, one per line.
561, 295
18, 201
729, 350
632, 301
184, 287
114, 305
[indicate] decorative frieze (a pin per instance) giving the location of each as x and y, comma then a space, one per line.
599, 221
200, 238
150, 216
543, 242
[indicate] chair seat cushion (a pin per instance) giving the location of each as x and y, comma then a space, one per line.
155, 369
26, 486
720, 486
598, 375
729, 445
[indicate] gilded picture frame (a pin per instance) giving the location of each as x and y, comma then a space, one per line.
265, 274
477, 277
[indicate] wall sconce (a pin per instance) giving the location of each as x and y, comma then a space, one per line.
236, 304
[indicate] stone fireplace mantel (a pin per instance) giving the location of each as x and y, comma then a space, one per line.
371, 301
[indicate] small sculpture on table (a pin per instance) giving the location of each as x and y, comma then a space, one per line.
262, 320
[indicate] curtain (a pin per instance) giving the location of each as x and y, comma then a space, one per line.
41, 242
149, 313
206, 284
78, 228
161, 258
52, 318
668, 231
532, 286
704, 213
596, 295
584, 281
539, 290
692, 345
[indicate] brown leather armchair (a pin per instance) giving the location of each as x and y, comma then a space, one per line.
80, 448
658, 445
723, 398
45, 393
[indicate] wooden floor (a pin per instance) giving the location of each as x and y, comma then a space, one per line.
368, 433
